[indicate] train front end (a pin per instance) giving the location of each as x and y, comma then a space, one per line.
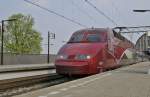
80, 55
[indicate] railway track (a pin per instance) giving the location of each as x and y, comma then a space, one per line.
17, 86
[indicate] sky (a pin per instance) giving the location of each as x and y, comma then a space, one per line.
119, 11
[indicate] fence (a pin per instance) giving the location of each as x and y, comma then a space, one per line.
27, 58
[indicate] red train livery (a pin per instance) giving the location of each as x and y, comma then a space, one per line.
90, 51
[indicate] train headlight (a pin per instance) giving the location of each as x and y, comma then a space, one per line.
62, 56
83, 57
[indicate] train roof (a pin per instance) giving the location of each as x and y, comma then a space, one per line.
92, 29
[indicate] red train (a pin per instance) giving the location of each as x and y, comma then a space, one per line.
90, 51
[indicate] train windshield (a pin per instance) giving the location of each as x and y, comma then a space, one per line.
93, 38
87, 38
76, 38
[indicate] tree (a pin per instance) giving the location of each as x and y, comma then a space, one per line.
20, 36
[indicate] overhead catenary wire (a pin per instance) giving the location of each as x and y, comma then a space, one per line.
117, 10
82, 10
53, 12
35, 1
131, 33
101, 12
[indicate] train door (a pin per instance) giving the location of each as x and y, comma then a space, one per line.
111, 59
110, 36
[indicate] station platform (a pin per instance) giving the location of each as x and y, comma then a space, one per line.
24, 67
13, 72
131, 81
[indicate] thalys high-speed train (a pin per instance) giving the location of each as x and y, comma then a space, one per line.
90, 51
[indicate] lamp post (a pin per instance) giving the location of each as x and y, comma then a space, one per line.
50, 36
2, 38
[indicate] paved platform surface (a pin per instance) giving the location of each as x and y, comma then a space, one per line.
19, 67
10, 76
131, 81
8, 72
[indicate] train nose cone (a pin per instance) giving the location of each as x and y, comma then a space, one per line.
81, 48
